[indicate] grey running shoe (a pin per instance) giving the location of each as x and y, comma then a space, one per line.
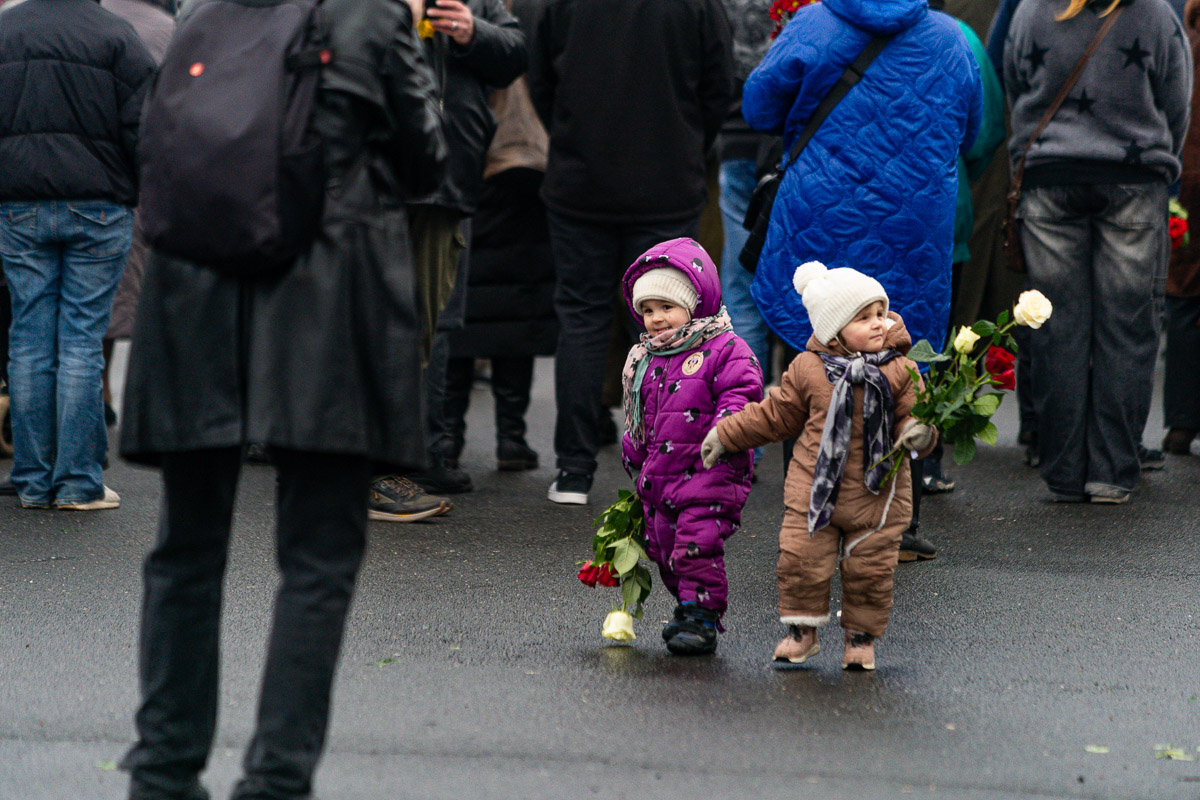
396, 499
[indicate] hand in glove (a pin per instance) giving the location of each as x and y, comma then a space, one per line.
915, 436
711, 449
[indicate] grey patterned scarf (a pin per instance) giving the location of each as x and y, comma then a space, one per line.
846, 373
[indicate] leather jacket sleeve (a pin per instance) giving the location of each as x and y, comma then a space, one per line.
497, 55
417, 151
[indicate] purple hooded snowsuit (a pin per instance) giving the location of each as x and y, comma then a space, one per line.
690, 510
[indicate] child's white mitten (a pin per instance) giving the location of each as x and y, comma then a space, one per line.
711, 449
916, 436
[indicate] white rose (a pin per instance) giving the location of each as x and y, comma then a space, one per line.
1032, 309
965, 339
618, 626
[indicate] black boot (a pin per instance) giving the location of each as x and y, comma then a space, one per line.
512, 380
697, 634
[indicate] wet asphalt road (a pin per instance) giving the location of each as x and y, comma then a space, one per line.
473, 665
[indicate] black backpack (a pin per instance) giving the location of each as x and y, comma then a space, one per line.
232, 174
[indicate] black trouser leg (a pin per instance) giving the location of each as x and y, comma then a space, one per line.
512, 381
918, 474
322, 531
180, 628
460, 376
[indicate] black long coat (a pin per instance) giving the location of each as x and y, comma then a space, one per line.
325, 358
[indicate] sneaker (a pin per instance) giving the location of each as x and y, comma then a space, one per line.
1151, 460
860, 651
7, 488
697, 633
934, 482
443, 477
1178, 441
513, 455
1067, 497
110, 500
914, 548
1116, 498
396, 499
570, 488
110, 416
1029, 440
798, 646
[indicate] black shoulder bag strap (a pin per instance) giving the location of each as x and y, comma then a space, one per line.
848, 80
758, 211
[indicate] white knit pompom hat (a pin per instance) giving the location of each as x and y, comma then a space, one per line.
667, 284
834, 296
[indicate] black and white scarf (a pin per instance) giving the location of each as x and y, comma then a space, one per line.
846, 373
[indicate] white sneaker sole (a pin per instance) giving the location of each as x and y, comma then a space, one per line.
95, 505
383, 516
566, 498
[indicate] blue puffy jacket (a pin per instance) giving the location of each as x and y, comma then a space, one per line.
875, 189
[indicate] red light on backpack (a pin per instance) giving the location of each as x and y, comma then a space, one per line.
326, 57
196, 70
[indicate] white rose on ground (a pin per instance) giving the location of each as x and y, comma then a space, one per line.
965, 339
1032, 309
618, 626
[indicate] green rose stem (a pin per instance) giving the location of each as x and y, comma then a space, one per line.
949, 400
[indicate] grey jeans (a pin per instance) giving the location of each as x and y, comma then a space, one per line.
1099, 253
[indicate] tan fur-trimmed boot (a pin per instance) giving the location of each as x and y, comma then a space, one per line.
860, 650
798, 646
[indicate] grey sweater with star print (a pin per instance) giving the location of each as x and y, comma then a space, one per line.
1125, 119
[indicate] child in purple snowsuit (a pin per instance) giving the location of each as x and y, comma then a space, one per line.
688, 370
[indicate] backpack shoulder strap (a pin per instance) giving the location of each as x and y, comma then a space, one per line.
847, 81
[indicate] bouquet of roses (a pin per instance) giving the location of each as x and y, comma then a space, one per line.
1177, 224
782, 12
959, 396
619, 546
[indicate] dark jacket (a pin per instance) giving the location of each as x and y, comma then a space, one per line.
327, 357
751, 23
1183, 276
633, 93
72, 80
510, 301
496, 57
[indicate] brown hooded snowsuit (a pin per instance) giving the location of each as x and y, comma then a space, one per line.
866, 528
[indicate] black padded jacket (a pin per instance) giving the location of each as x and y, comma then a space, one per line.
72, 80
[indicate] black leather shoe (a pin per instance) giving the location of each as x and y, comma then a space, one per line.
513, 455
914, 548
7, 489
443, 477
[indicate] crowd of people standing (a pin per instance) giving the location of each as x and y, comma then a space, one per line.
494, 168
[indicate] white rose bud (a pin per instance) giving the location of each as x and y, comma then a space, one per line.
618, 626
1032, 309
965, 339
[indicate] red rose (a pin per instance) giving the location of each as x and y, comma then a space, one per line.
1177, 228
606, 577
998, 360
589, 574
1006, 380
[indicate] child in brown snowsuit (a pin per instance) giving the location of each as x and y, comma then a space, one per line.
847, 399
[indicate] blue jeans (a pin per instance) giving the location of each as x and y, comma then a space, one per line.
737, 184
63, 260
1099, 253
